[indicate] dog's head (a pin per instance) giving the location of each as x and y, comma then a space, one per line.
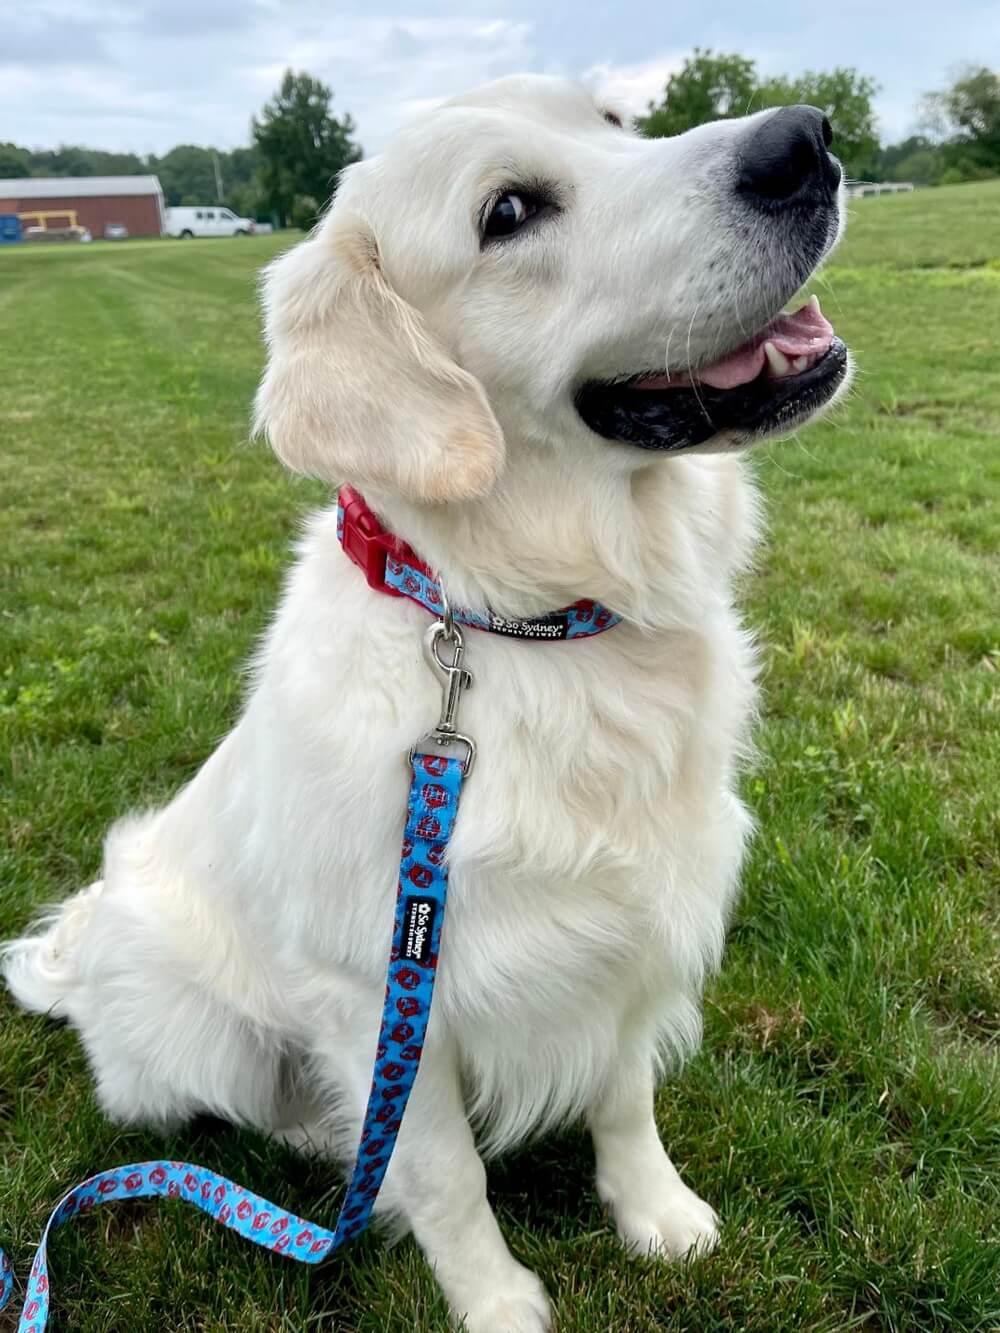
517, 266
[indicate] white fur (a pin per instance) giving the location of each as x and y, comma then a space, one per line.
234, 957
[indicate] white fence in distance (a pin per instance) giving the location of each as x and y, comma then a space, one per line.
862, 188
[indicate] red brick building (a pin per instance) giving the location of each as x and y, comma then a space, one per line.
89, 201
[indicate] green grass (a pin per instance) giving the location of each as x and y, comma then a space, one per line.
955, 227
844, 1112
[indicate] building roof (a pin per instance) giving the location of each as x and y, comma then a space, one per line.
61, 187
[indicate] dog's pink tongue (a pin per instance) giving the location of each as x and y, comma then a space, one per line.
739, 367
807, 332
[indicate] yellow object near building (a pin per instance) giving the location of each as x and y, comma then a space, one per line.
42, 219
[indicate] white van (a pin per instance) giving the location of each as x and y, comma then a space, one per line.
206, 220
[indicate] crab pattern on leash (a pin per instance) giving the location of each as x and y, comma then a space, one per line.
235, 1207
421, 895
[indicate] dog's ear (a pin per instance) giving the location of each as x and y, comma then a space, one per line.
356, 388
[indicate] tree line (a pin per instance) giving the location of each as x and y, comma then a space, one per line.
285, 175
298, 145
962, 122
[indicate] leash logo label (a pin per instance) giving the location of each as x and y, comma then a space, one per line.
418, 925
554, 626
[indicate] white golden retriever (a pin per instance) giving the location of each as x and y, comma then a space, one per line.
513, 330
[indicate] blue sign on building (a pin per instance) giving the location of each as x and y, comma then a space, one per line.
10, 229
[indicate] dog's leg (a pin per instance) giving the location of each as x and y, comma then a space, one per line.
437, 1183
653, 1210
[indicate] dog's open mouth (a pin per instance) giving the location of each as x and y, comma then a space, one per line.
775, 380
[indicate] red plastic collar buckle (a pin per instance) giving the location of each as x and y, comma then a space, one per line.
366, 541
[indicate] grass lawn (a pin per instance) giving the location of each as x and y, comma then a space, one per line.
844, 1112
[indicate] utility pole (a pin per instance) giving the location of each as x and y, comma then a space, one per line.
218, 176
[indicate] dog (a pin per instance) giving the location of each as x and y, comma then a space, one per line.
539, 344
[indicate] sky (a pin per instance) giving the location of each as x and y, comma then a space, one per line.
144, 75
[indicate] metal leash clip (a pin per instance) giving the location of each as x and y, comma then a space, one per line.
456, 679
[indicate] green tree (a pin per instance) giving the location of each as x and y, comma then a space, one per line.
917, 159
14, 161
116, 164
719, 86
240, 167
925, 166
302, 148
66, 160
244, 200
710, 86
241, 182
894, 153
187, 175
967, 115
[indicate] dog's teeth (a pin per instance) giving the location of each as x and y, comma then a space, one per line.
813, 304
799, 364
776, 359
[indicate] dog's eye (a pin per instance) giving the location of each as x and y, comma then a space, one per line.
509, 213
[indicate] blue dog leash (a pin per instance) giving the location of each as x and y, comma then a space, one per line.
439, 762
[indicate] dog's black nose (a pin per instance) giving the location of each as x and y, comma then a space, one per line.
785, 158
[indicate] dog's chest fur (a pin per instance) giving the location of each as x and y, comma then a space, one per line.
596, 850
593, 877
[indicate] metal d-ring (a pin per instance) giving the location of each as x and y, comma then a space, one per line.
447, 618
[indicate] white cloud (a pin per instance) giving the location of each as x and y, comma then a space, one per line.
382, 70
147, 74
632, 87
412, 64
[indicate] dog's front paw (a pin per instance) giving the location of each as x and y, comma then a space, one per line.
679, 1224
521, 1307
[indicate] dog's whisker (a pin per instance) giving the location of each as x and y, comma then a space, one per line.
666, 354
694, 381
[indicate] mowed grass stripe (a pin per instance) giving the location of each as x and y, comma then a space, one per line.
843, 1113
